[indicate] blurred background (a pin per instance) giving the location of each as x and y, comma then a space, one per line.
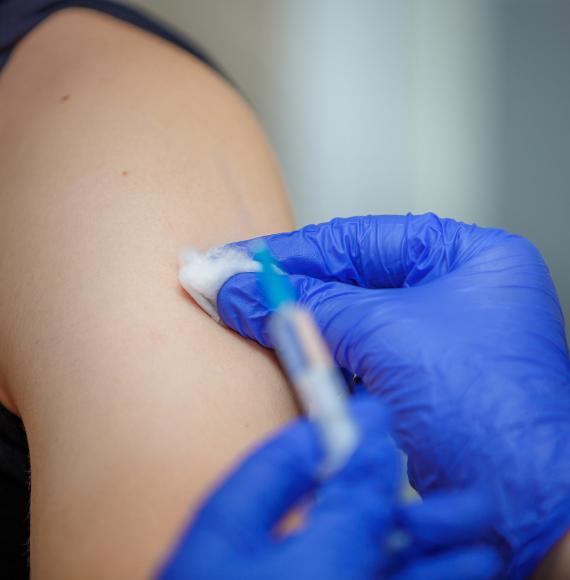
460, 107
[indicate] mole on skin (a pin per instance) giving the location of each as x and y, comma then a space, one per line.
124, 173
65, 98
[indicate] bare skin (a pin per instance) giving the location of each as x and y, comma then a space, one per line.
117, 149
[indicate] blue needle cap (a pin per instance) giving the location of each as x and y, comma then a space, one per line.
275, 285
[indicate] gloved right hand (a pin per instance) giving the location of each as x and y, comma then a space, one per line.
233, 535
459, 329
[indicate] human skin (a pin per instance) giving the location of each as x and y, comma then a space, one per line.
118, 149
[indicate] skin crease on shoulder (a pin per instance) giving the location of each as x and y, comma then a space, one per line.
117, 149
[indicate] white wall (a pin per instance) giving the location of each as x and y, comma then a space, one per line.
389, 106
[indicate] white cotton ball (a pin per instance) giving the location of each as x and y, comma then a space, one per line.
202, 274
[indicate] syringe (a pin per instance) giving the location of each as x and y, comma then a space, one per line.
318, 383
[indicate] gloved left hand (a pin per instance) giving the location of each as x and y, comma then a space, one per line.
459, 330
233, 535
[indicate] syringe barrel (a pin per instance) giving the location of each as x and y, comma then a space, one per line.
318, 383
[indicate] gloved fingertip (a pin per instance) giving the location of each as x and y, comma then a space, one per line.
446, 518
375, 463
241, 307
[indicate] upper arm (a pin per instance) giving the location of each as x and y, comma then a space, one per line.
117, 151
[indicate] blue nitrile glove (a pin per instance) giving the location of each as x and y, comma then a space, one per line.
233, 535
460, 330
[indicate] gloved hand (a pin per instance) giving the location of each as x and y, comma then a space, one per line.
459, 329
233, 537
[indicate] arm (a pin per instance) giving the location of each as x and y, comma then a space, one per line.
117, 150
